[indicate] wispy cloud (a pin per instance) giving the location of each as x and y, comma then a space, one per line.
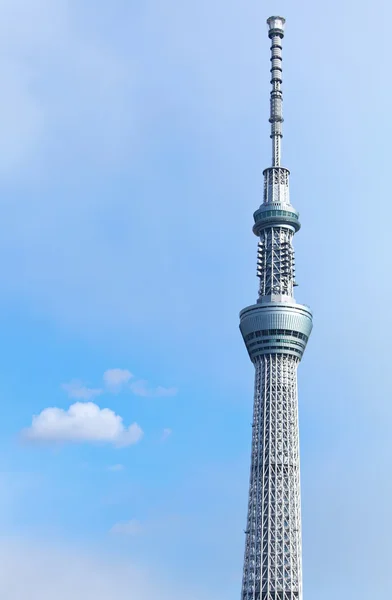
116, 379
82, 422
132, 528
166, 434
141, 387
116, 468
76, 389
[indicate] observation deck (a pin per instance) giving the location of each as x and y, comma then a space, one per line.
276, 328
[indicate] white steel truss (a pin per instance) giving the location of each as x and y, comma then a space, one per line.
272, 563
275, 261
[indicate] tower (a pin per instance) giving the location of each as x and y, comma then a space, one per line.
275, 331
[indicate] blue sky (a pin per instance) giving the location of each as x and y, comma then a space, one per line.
133, 138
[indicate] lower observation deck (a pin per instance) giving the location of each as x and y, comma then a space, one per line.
276, 328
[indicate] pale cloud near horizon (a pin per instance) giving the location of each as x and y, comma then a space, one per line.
82, 422
31, 570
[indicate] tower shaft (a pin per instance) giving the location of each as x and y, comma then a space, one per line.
272, 564
275, 331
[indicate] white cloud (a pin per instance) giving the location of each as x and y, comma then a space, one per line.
142, 388
82, 422
76, 389
115, 379
132, 527
166, 433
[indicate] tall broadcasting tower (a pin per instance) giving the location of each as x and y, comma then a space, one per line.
275, 331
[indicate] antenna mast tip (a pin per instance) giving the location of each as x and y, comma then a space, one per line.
276, 25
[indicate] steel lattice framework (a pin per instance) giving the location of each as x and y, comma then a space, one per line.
275, 331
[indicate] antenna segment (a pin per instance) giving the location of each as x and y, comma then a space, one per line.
276, 33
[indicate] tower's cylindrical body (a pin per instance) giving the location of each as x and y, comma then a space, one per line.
275, 331
273, 542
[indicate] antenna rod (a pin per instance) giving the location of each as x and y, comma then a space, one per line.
276, 34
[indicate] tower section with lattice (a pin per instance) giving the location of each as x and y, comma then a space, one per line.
275, 331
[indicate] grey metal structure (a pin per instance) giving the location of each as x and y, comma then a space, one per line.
275, 330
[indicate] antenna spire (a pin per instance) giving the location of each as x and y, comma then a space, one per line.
276, 34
